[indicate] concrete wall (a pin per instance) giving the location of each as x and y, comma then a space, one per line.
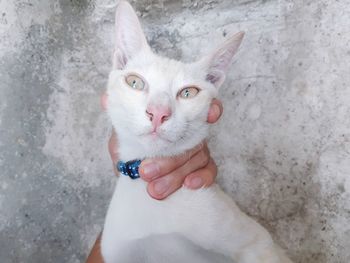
283, 144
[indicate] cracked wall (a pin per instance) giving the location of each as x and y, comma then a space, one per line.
282, 146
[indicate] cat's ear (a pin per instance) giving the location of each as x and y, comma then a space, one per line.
130, 38
218, 62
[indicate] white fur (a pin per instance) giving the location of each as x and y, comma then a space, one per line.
206, 218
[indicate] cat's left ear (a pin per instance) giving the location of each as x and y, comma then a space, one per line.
218, 62
130, 38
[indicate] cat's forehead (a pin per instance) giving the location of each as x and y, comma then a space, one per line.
159, 71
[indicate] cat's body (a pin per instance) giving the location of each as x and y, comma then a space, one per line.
207, 217
165, 249
158, 108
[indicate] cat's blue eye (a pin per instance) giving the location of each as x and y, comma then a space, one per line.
188, 92
135, 82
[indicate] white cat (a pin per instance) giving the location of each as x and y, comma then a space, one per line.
159, 107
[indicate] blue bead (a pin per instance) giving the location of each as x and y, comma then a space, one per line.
130, 168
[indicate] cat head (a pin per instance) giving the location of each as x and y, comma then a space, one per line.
159, 106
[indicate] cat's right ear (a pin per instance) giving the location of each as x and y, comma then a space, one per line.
130, 38
218, 62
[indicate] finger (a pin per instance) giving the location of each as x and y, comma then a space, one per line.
151, 169
103, 101
203, 177
163, 187
215, 111
95, 254
112, 148
166, 185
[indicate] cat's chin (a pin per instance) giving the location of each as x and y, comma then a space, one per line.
153, 145
160, 147
148, 144
154, 137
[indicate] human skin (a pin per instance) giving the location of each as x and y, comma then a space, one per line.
194, 169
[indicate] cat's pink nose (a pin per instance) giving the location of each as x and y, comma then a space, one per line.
158, 114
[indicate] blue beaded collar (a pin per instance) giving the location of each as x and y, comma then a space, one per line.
130, 168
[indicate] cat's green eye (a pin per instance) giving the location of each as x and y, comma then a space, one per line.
188, 92
135, 82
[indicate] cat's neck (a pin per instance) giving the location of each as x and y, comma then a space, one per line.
129, 149
134, 151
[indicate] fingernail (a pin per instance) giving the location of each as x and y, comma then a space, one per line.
196, 182
149, 170
161, 186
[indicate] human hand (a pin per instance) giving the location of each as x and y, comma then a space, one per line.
193, 169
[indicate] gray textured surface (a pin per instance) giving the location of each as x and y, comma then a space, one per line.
283, 144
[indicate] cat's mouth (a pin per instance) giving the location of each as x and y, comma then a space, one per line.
154, 136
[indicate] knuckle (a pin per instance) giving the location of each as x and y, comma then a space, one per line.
206, 151
208, 177
203, 158
210, 180
213, 169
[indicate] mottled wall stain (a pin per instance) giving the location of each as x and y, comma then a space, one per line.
282, 146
